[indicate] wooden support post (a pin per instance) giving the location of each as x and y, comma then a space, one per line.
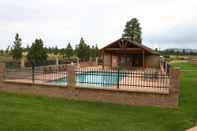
143, 58
96, 60
22, 63
57, 62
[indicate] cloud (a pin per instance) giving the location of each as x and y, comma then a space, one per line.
180, 34
61, 21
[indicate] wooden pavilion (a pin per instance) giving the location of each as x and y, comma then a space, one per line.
124, 53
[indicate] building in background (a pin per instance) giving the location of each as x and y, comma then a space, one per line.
126, 54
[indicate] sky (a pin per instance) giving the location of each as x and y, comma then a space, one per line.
164, 23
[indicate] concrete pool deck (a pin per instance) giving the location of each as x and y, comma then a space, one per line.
192, 129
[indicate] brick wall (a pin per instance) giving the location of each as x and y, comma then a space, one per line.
102, 95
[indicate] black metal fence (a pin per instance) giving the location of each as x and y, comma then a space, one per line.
138, 79
41, 75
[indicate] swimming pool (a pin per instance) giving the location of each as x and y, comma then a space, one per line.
107, 79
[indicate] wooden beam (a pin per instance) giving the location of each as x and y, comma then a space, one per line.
122, 52
123, 49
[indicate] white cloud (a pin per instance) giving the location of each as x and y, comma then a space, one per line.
98, 21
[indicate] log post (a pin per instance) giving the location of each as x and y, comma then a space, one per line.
143, 59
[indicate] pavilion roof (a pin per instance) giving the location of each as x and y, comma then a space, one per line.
126, 43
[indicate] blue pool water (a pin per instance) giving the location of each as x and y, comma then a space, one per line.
62, 81
93, 79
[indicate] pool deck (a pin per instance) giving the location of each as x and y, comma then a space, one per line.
138, 84
192, 129
51, 76
127, 88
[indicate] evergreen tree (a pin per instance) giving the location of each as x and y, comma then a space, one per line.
37, 54
132, 31
156, 49
17, 49
55, 50
184, 52
69, 51
1, 52
94, 52
62, 52
27, 48
7, 51
83, 50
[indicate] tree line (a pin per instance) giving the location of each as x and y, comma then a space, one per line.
182, 52
37, 54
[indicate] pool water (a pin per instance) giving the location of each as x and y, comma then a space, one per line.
62, 82
93, 79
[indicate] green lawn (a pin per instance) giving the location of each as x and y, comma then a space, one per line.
30, 113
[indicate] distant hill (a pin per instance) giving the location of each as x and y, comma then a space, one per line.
181, 50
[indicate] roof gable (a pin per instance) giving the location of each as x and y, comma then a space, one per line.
125, 43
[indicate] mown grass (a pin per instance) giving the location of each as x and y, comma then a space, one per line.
31, 113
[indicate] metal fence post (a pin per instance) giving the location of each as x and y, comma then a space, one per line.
33, 73
118, 78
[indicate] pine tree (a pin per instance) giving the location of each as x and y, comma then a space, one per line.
132, 31
94, 52
83, 50
37, 54
17, 49
55, 50
69, 51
